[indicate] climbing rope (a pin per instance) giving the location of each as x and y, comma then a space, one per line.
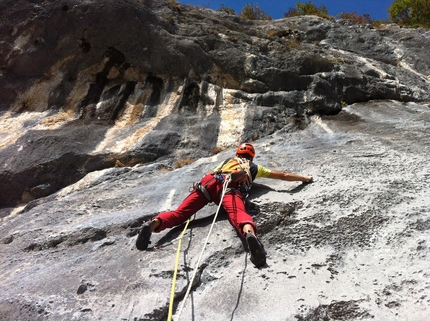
172, 294
224, 189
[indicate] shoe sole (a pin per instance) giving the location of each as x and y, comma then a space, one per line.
258, 255
143, 237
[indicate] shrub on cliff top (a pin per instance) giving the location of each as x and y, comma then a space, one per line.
253, 12
226, 9
308, 9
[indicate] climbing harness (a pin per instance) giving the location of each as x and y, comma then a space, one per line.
227, 179
202, 188
239, 171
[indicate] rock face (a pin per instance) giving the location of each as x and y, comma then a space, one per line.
101, 100
109, 81
354, 245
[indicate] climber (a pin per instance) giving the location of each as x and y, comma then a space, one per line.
241, 171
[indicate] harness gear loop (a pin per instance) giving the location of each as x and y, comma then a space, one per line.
224, 189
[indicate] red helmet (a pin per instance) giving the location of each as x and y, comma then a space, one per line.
246, 149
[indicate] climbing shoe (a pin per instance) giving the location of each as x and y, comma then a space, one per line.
144, 236
258, 254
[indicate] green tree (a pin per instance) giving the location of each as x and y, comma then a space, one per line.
410, 13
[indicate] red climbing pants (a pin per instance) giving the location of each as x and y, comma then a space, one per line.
232, 202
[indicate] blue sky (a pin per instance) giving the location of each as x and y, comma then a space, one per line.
376, 8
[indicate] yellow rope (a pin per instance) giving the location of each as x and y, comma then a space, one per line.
172, 294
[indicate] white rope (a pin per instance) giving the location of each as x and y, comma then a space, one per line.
227, 180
